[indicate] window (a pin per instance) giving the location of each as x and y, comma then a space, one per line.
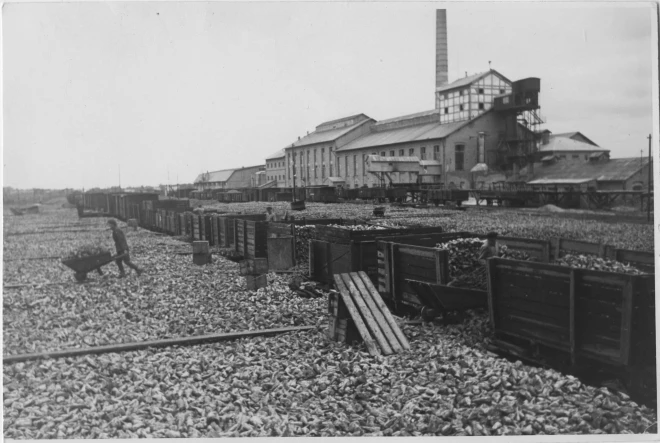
481, 149
316, 170
422, 151
481, 90
446, 110
364, 161
502, 91
346, 166
481, 106
460, 107
400, 152
382, 154
586, 156
391, 153
411, 152
575, 156
460, 157
354, 165
563, 157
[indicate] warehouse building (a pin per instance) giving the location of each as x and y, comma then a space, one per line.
573, 147
231, 178
601, 173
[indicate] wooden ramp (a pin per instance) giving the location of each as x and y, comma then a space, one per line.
361, 315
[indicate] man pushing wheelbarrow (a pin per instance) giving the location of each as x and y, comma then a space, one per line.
122, 249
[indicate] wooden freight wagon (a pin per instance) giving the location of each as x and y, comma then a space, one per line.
575, 319
406, 261
338, 251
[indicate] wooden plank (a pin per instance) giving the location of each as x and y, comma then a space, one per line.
371, 322
355, 315
571, 318
136, 346
493, 290
384, 326
403, 341
626, 323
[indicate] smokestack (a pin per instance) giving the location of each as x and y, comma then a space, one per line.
441, 52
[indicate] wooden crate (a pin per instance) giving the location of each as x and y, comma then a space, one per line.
563, 246
195, 232
585, 315
240, 234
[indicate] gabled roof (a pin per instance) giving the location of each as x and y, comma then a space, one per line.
564, 144
421, 132
618, 169
330, 135
343, 119
468, 80
571, 135
407, 117
214, 176
278, 154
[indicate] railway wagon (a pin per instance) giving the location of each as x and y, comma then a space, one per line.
575, 320
336, 250
443, 196
321, 194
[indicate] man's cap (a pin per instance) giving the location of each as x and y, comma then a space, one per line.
112, 222
491, 235
269, 207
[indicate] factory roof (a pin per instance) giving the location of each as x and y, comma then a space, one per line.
340, 120
329, 135
560, 181
278, 154
565, 144
616, 169
469, 80
428, 131
408, 117
215, 176
577, 135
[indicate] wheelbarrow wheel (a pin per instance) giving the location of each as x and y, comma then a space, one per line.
81, 276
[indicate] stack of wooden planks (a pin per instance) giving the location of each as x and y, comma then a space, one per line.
360, 315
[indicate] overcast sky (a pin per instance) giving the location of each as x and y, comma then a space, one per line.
164, 91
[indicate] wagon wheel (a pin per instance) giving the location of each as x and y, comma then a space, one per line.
80, 276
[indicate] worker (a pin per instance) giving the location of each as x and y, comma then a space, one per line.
489, 249
122, 250
270, 215
273, 216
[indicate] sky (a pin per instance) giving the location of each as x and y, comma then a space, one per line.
149, 93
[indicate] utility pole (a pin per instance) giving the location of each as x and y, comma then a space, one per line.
648, 197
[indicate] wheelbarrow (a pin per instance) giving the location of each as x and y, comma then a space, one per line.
91, 263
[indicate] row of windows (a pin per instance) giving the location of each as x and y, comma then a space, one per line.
463, 92
482, 106
274, 164
276, 177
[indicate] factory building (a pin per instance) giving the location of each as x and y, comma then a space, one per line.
311, 159
572, 147
485, 128
276, 170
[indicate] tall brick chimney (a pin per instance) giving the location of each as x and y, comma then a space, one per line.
441, 52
